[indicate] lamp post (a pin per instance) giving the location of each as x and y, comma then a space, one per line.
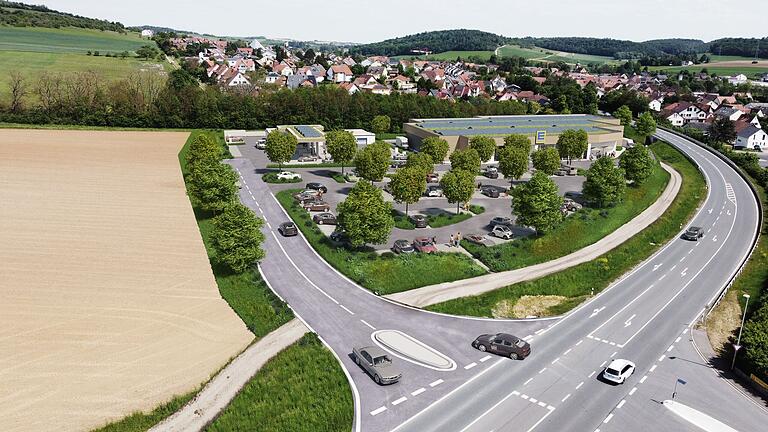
737, 346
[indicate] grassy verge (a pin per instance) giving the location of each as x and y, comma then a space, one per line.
402, 221
383, 274
582, 229
301, 389
477, 209
577, 283
142, 421
338, 177
445, 219
271, 177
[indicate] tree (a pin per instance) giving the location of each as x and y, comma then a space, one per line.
280, 147
537, 203
518, 141
408, 185
637, 164
342, 146
365, 216
212, 186
485, 146
147, 52
646, 124
572, 144
458, 186
18, 89
722, 130
605, 184
546, 160
755, 339
373, 161
467, 160
422, 161
202, 150
624, 114
236, 237
435, 147
381, 124
513, 162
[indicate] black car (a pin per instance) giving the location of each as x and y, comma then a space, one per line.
693, 233
288, 229
324, 219
490, 191
339, 237
317, 186
419, 221
503, 344
402, 246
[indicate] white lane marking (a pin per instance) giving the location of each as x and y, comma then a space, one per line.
661, 359
628, 322
399, 401
532, 400
542, 404
538, 331
485, 359
581, 383
631, 392
653, 368
621, 404
418, 392
550, 409
555, 360
346, 309
683, 273
714, 238
528, 338
366, 323
579, 342
261, 211
565, 398
614, 354
436, 383
685, 330
567, 351
642, 380
516, 393
269, 226
682, 259
656, 267
606, 341
526, 383
671, 347
678, 339
470, 366
378, 410
603, 363
524, 396
607, 419
689, 252
541, 371
299, 270
673, 267
597, 311
662, 278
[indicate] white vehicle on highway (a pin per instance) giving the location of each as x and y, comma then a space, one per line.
618, 371
288, 175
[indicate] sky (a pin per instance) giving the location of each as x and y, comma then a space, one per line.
372, 21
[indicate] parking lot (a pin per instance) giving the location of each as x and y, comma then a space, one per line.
478, 224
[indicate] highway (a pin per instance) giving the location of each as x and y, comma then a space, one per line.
644, 317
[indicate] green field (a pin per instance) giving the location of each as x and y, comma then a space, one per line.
70, 40
545, 55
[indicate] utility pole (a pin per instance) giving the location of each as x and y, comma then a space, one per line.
737, 346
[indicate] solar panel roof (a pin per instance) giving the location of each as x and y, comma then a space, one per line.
308, 131
503, 125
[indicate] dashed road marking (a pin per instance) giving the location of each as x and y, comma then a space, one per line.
621, 404
565, 398
399, 401
485, 359
603, 363
607, 419
567, 351
346, 309
678, 339
590, 375
529, 380
581, 384
555, 360
631, 392
436, 383
366, 323
542, 371
671, 347
661, 359
579, 342
653, 368
642, 380
418, 392
378, 410
470, 366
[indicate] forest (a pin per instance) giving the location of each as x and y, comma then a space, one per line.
23, 15
435, 41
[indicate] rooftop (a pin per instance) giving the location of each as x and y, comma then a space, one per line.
506, 125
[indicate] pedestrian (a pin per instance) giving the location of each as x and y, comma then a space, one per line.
458, 239
479, 185
450, 242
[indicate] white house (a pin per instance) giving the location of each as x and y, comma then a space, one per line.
340, 74
147, 33
655, 105
676, 119
237, 79
363, 137
751, 137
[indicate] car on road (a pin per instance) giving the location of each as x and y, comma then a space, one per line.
324, 219
434, 191
490, 191
261, 144
432, 178
376, 363
618, 371
419, 221
502, 232
288, 229
503, 344
308, 159
402, 247
317, 186
693, 233
501, 220
316, 206
491, 172
424, 245
288, 175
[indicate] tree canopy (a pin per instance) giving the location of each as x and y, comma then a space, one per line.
342, 146
624, 114
537, 203
518, 141
381, 124
373, 161
513, 162
280, 147
422, 161
485, 146
203, 150
408, 185
467, 160
572, 144
458, 186
211, 187
646, 124
722, 130
546, 160
436, 148
364, 216
605, 184
637, 164
236, 237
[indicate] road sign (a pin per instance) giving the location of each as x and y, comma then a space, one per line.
541, 136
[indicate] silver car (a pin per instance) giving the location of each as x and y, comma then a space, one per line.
377, 364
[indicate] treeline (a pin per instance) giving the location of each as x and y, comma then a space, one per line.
620, 49
740, 47
435, 41
24, 15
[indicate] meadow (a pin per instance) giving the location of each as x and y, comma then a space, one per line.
68, 40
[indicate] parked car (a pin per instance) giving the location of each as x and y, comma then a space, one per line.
503, 344
261, 144
339, 237
288, 175
419, 221
377, 364
402, 247
432, 178
324, 219
352, 177
490, 191
316, 206
288, 229
491, 172
307, 196
618, 371
571, 205
693, 233
434, 191
424, 245
502, 232
501, 220
317, 186
475, 238
396, 163
308, 159
575, 196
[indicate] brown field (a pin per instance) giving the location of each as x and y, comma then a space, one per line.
107, 301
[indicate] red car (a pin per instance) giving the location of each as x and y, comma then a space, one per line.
424, 245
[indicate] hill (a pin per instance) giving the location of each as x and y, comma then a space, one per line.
617, 48
435, 41
740, 47
24, 15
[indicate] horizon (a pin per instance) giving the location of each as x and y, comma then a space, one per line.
564, 20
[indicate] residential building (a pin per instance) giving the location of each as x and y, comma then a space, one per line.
340, 74
751, 137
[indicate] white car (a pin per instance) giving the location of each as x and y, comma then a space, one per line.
434, 191
502, 232
618, 371
288, 175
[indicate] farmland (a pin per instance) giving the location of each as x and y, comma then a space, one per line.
70, 40
545, 55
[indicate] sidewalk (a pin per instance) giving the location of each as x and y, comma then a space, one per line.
439, 293
220, 391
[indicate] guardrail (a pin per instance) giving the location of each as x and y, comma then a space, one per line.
756, 195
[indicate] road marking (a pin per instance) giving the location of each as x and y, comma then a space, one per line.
366, 323
261, 211
689, 252
542, 404
597, 311
470, 366
683, 273
603, 363
613, 343
661, 359
685, 330
607, 419
532, 400
538, 331
678, 339
485, 359
565, 398
642, 380
682, 259
541, 371
516, 393
269, 226
614, 354
631, 392
621, 404
605, 341
714, 239
582, 383
378, 410
529, 380
524, 396
567, 351
661, 278
528, 338
653, 368
628, 322
399, 401
436, 383
656, 267
299, 270
346, 309
673, 267
579, 342
551, 410
418, 392
555, 360
670, 348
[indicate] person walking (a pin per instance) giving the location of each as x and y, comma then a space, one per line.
458, 239
450, 242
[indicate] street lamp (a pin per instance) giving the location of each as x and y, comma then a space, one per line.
737, 346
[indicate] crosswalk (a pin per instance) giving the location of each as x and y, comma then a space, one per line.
730, 193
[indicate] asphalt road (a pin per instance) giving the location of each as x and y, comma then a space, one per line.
557, 388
